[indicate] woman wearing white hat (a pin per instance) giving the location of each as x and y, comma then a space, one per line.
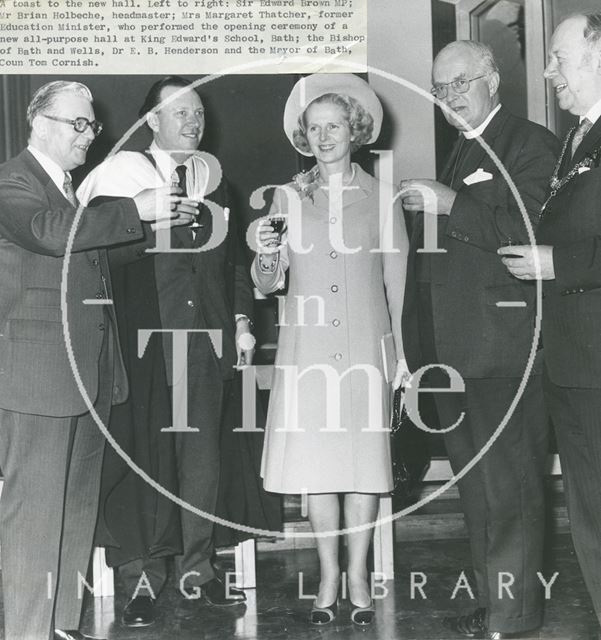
345, 250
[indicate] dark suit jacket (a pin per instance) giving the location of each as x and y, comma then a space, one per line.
571, 223
471, 333
202, 289
35, 222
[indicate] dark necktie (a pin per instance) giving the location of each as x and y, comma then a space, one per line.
583, 129
69, 191
181, 170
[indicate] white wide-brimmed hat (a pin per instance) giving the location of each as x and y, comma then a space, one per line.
312, 87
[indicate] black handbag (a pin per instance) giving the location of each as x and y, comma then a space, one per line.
410, 454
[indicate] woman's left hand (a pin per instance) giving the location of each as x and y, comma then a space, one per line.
402, 375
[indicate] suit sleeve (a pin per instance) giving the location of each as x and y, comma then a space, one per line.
269, 282
394, 265
28, 219
578, 265
487, 214
243, 289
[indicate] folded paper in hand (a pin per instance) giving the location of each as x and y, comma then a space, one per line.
478, 176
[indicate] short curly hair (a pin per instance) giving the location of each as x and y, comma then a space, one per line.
360, 121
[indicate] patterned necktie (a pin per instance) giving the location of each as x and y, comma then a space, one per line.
583, 129
69, 191
181, 170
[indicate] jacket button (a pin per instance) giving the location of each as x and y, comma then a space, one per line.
130, 230
336, 322
466, 238
190, 303
337, 356
99, 295
334, 288
333, 219
333, 255
140, 252
101, 327
95, 262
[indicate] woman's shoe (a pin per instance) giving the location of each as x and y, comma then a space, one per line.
324, 615
363, 616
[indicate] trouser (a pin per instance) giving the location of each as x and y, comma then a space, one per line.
502, 496
576, 416
51, 468
198, 463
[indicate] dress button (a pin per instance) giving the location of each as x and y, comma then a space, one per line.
190, 303
334, 288
333, 255
336, 322
338, 356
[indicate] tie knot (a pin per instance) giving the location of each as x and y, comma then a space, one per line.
180, 171
69, 191
583, 128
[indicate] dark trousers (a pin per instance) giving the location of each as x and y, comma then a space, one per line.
48, 512
576, 416
502, 495
198, 474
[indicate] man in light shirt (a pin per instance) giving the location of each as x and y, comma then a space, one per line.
50, 447
463, 311
203, 283
569, 254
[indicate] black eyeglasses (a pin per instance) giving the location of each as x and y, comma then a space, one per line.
79, 124
461, 85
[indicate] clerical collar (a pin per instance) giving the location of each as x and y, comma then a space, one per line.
593, 114
479, 130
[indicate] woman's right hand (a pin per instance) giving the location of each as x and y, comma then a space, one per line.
268, 240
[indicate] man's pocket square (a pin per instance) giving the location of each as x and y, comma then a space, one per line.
478, 176
583, 169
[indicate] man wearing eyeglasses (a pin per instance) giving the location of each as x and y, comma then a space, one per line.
464, 311
50, 448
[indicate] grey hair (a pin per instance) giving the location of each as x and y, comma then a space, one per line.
44, 98
485, 56
592, 30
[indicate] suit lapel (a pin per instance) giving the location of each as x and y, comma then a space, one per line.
476, 153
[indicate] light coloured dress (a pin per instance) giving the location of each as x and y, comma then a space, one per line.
307, 448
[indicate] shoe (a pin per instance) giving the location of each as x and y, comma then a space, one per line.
472, 626
139, 612
323, 615
469, 626
363, 616
215, 594
60, 634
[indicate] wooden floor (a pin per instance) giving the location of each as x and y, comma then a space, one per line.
274, 610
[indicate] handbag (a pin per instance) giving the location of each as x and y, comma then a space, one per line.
410, 454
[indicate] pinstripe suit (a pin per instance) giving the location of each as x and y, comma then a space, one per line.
571, 223
50, 448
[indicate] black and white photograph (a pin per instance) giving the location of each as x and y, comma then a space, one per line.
297, 332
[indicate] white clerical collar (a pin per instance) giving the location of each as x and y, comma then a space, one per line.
57, 175
593, 114
479, 130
